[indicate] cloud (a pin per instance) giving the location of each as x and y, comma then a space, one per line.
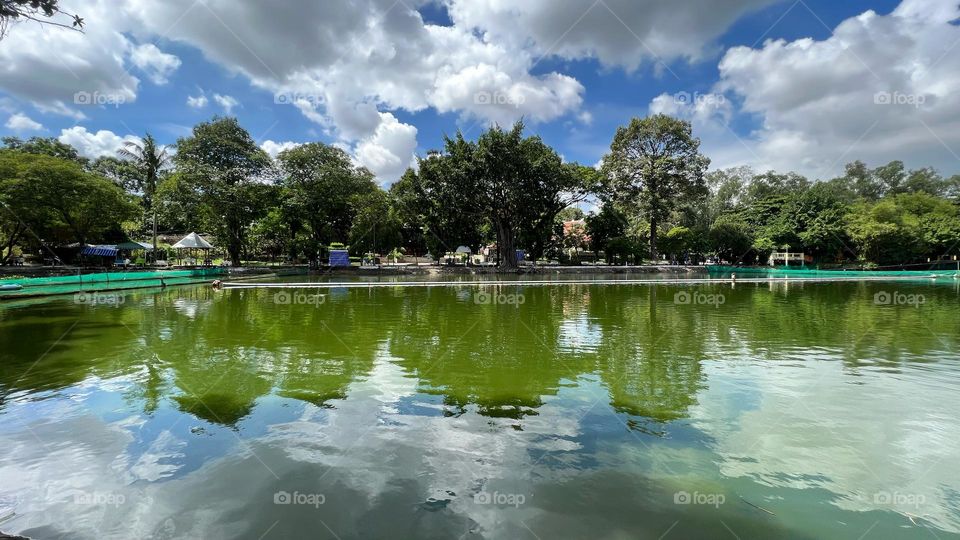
48, 67
20, 122
274, 148
157, 64
350, 67
623, 33
354, 65
389, 151
197, 102
226, 102
880, 88
94, 145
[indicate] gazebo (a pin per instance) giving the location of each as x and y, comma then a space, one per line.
193, 242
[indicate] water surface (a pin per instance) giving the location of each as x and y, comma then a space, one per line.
779, 410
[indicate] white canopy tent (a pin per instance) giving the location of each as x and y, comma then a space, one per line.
193, 241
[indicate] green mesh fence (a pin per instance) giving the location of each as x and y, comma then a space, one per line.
807, 272
106, 281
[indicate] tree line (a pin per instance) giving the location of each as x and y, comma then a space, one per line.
653, 195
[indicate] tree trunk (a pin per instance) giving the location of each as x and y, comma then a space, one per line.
235, 242
155, 234
12, 241
505, 246
653, 239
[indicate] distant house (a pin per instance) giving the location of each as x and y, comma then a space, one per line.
576, 228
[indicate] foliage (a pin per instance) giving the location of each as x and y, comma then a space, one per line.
677, 241
319, 187
52, 198
47, 146
42, 11
653, 163
504, 187
608, 224
223, 167
376, 227
730, 238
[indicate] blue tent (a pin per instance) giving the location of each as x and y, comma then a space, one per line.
100, 251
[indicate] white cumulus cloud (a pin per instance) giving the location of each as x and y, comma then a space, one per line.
197, 102
94, 145
389, 151
157, 64
273, 148
228, 103
20, 122
882, 87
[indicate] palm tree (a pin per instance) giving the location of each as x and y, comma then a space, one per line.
150, 158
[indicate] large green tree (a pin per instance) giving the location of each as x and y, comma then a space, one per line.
223, 166
446, 197
47, 146
150, 159
520, 183
320, 187
57, 199
654, 163
376, 226
409, 212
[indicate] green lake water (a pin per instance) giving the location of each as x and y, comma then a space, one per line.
773, 410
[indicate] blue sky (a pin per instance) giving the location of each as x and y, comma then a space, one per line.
790, 85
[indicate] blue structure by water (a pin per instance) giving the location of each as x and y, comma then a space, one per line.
339, 257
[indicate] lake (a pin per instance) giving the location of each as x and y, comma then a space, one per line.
754, 410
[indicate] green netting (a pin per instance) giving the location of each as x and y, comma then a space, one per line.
107, 281
806, 272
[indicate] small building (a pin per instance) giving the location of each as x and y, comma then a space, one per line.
785, 258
